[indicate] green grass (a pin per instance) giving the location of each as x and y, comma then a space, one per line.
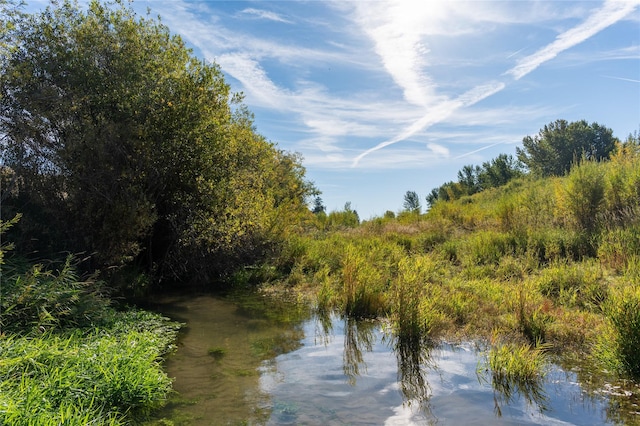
516, 369
67, 357
550, 260
106, 375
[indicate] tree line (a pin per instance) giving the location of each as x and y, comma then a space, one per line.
552, 152
117, 142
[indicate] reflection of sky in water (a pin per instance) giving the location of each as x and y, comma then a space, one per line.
310, 386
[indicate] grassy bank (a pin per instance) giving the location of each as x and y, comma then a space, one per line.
548, 264
69, 358
107, 375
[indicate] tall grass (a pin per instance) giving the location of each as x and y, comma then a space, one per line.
68, 358
107, 375
516, 369
574, 284
618, 346
546, 260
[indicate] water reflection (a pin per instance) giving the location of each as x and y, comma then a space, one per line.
220, 353
293, 367
358, 338
414, 362
507, 390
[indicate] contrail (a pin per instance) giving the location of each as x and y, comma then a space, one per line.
442, 112
478, 150
621, 78
611, 12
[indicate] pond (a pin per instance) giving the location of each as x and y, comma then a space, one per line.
255, 360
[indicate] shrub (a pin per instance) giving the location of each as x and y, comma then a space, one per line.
41, 299
574, 284
581, 197
487, 247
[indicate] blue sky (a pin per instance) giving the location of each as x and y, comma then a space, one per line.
382, 97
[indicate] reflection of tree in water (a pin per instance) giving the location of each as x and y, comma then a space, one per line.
358, 337
414, 362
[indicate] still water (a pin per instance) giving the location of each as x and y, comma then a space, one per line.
253, 360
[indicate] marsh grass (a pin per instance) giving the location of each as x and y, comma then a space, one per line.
618, 346
68, 358
516, 370
574, 284
545, 260
105, 375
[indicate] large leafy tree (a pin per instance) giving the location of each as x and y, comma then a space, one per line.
560, 144
133, 150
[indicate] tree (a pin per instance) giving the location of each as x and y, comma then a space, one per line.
560, 144
347, 218
129, 148
412, 202
469, 179
499, 171
318, 207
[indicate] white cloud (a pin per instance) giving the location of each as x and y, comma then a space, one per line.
610, 13
438, 114
253, 77
396, 29
403, 36
439, 150
265, 14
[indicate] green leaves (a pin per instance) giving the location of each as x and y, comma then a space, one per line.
135, 151
560, 144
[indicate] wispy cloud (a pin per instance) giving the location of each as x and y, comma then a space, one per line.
612, 12
406, 36
265, 14
438, 114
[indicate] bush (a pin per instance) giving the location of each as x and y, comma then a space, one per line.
41, 299
582, 196
487, 247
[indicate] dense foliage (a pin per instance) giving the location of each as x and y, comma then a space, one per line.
68, 357
560, 144
473, 179
119, 143
546, 264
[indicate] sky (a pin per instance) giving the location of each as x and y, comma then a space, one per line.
389, 96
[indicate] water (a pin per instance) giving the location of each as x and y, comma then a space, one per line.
258, 361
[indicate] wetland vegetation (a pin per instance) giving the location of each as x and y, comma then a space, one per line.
129, 169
